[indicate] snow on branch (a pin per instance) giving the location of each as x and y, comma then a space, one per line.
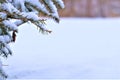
23, 11
14, 13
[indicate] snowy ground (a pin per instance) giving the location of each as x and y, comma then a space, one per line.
77, 49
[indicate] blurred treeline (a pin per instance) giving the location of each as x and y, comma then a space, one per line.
91, 8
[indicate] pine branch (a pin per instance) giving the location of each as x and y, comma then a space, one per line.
23, 11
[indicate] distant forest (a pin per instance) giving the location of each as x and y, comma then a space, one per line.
91, 8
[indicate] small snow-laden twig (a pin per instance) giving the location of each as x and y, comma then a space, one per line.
37, 5
3, 75
3, 16
5, 50
41, 25
19, 22
9, 8
30, 16
26, 5
59, 3
53, 9
35, 19
10, 25
5, 38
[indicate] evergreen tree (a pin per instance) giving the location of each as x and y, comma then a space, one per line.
23, 11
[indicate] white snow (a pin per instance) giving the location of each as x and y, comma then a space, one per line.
3, 15
10, 25
77, 49
31, 16
5, 39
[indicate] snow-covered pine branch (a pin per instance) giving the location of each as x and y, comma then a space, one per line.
23, 11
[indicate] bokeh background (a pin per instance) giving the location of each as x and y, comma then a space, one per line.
91, 8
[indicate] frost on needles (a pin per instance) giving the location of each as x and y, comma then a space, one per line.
23, 11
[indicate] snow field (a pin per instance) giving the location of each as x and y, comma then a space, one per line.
77, 49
